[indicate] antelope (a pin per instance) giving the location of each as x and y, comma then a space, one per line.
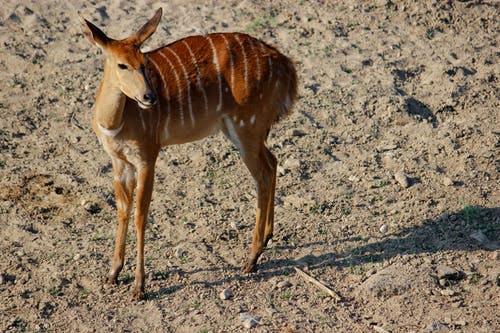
179, 93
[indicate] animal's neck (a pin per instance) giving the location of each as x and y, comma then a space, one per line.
110, 101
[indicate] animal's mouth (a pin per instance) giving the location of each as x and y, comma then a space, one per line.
145, 105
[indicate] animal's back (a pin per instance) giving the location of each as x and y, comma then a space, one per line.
223, 73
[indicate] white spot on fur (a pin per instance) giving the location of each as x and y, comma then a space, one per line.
252, 119
242, 123
233, 135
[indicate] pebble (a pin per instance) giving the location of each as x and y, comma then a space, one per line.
353, 179
447, 292
383, 228
447, 272
292, 163
284, 284
226, 294
248, 320
402, 179
236, 226
297, 132
180, 252
447, 181
379, 329
282, 171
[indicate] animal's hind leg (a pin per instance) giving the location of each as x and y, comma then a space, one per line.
273, 164
262, 165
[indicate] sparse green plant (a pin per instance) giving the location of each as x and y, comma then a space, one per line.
470, 213
287, 295
160, 275
259, 22
327, 50
54, 291
356, 269
20, 324
204, 330
183, 259
314, 209
474, 278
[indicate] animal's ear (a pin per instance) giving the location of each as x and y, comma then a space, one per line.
94, 34
148, 29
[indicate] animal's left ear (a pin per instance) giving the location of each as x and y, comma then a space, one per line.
148, 29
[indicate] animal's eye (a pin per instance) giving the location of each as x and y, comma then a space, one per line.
122, 66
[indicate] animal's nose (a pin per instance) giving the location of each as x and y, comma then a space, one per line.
150, 98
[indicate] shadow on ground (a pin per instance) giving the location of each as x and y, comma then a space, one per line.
469, 229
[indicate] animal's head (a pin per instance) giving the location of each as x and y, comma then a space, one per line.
125, 62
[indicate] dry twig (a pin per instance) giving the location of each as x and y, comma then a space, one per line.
318, 284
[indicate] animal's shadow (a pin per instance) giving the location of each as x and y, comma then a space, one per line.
449, 231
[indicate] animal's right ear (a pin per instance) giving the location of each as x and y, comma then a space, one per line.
94, 34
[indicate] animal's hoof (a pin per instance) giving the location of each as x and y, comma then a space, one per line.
138, 294
110, 280
249, 267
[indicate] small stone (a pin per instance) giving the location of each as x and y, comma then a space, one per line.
447, 292
235, 225
284, 284
437, 326
226, 294
297, 132
402, 179
248, 320
383, 228
282, 171
379, 329
461, 322
77, 256
353, 179
443, 282
446, 272
180, 252
250, 323
292, 163
447, 181
480, 237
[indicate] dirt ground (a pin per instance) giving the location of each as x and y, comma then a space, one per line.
388, 187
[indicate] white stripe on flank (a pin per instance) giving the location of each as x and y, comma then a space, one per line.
181, 110
231, 61
256, 53
233, 135
270, 69
252, 119
108, 132
198, 75
244, 60
165, 89
217, 67
188, 84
